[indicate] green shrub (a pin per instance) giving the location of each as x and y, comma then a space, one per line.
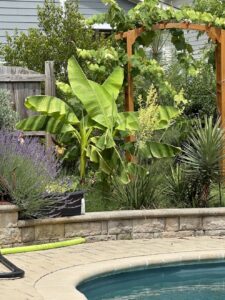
199, 89
63, 184
8, 117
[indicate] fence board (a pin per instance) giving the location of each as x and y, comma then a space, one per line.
22, 78
21, 83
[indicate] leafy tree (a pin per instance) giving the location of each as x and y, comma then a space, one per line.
61, 32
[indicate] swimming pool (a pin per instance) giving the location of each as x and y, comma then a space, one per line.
192, 281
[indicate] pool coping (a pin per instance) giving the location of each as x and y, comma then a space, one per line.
69, 278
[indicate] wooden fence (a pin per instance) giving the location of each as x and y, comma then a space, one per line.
21, 83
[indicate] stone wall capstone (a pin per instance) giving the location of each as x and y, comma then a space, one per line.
114, 225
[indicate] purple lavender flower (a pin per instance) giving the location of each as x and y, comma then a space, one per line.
27, 168
30, 148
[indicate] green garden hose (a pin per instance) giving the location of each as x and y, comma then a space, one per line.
48, 246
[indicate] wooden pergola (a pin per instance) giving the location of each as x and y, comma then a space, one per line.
217, 35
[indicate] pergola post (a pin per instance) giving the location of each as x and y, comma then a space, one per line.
220, 76
220, 84
129, 98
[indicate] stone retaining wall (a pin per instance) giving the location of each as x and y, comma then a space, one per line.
143, 224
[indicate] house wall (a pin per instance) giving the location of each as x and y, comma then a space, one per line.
198, 42
89, 8
18, 14
22, 14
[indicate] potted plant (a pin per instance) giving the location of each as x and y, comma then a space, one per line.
64, 200
65, 204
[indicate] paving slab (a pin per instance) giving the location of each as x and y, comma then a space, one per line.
53, 274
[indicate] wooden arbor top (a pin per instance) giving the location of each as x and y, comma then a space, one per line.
213, 32
217, 35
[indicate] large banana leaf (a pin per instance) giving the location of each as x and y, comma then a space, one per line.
168, 112
98, 103
105, 141
44, 123
108, 106
108, 160
95, 155
114, 82
51, 106
166, 115
127, 121
158, 150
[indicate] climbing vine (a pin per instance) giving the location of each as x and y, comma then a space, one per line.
146, 14
150, 12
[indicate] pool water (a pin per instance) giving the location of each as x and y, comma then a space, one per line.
200, 281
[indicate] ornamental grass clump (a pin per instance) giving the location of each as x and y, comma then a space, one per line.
26, 168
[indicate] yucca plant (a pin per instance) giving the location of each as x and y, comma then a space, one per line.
203, 156
181, 190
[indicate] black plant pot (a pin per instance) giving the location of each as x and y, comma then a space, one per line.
65, 204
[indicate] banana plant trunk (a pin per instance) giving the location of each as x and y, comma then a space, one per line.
83, 162
83, 152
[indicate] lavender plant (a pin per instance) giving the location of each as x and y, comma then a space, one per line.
27, 168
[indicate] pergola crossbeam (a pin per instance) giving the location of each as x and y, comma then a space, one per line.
216, 34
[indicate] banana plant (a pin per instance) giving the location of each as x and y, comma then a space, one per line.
61, 117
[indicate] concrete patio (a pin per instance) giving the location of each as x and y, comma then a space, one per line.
52, 274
